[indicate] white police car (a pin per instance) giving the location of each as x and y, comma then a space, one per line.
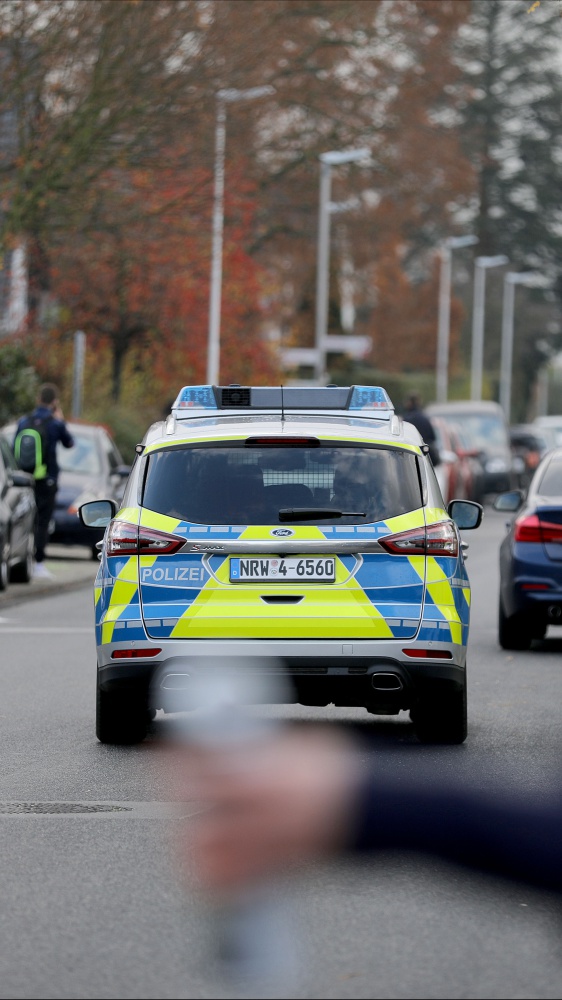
298, 524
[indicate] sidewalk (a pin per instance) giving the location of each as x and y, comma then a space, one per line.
72, 567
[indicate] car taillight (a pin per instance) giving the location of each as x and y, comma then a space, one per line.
435, 540
551, 532
527, 529
532, 529
125, 539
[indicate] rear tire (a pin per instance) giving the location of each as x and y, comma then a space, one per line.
441, 719
515, 631
121, 718
4, 566
22, 572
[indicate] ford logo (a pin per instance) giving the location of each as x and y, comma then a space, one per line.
282, 532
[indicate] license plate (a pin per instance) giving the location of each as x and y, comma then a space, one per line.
293, 569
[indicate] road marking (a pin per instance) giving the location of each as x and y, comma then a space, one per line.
101, 810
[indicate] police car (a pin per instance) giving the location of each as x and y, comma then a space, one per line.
302, 525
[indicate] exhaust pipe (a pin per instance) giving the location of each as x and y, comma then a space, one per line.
175, 682
387, 683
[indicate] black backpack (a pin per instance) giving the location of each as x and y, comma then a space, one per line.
30, 445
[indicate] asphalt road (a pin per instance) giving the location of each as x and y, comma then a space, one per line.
93, 904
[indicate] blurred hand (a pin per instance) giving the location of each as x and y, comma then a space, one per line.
271, 806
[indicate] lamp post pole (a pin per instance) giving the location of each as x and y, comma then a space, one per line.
444, 314
224, 97
512, 278
481, 264
327, 161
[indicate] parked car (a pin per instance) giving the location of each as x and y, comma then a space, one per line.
473, 466
529, 443
552, 425
451, 471
531, 557
92, 469
17, 520
487, 432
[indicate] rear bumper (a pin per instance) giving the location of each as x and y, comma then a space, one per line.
531, 583
377, 675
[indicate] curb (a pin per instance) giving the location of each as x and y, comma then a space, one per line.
10, 599
76, 570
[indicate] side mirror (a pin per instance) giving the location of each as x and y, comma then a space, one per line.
508, 503
465, 513
97, 513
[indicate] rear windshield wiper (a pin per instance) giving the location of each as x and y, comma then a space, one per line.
315, 513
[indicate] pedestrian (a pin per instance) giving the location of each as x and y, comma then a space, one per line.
35, 447
414, 414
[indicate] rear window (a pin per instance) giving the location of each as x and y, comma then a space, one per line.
550, 483
82, 458
243, 485
484, 429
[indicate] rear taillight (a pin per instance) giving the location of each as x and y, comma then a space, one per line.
551, 532
434, 540
532, 529
527, 529
125, 539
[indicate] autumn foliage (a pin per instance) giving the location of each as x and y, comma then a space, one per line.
109, 176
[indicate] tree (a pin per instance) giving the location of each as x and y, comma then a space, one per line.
88, 86
136, 278
18, 382
511, 123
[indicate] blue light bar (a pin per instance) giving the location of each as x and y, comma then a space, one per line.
369, 397
363, 400
197, 397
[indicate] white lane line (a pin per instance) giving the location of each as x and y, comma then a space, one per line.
113, 810
51, 629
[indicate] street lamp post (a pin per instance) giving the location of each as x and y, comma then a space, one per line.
481, 264
224, 97
512, 278
327, 161
444, 318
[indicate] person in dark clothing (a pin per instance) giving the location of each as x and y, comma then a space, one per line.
414, 414
315, 793
48, 409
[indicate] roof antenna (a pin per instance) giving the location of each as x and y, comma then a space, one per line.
282, 407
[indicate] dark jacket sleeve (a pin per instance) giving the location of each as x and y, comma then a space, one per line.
513, 835
63, 434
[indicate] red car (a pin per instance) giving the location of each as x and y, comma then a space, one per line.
453, 472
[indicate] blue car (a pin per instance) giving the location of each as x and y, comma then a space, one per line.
531, 557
